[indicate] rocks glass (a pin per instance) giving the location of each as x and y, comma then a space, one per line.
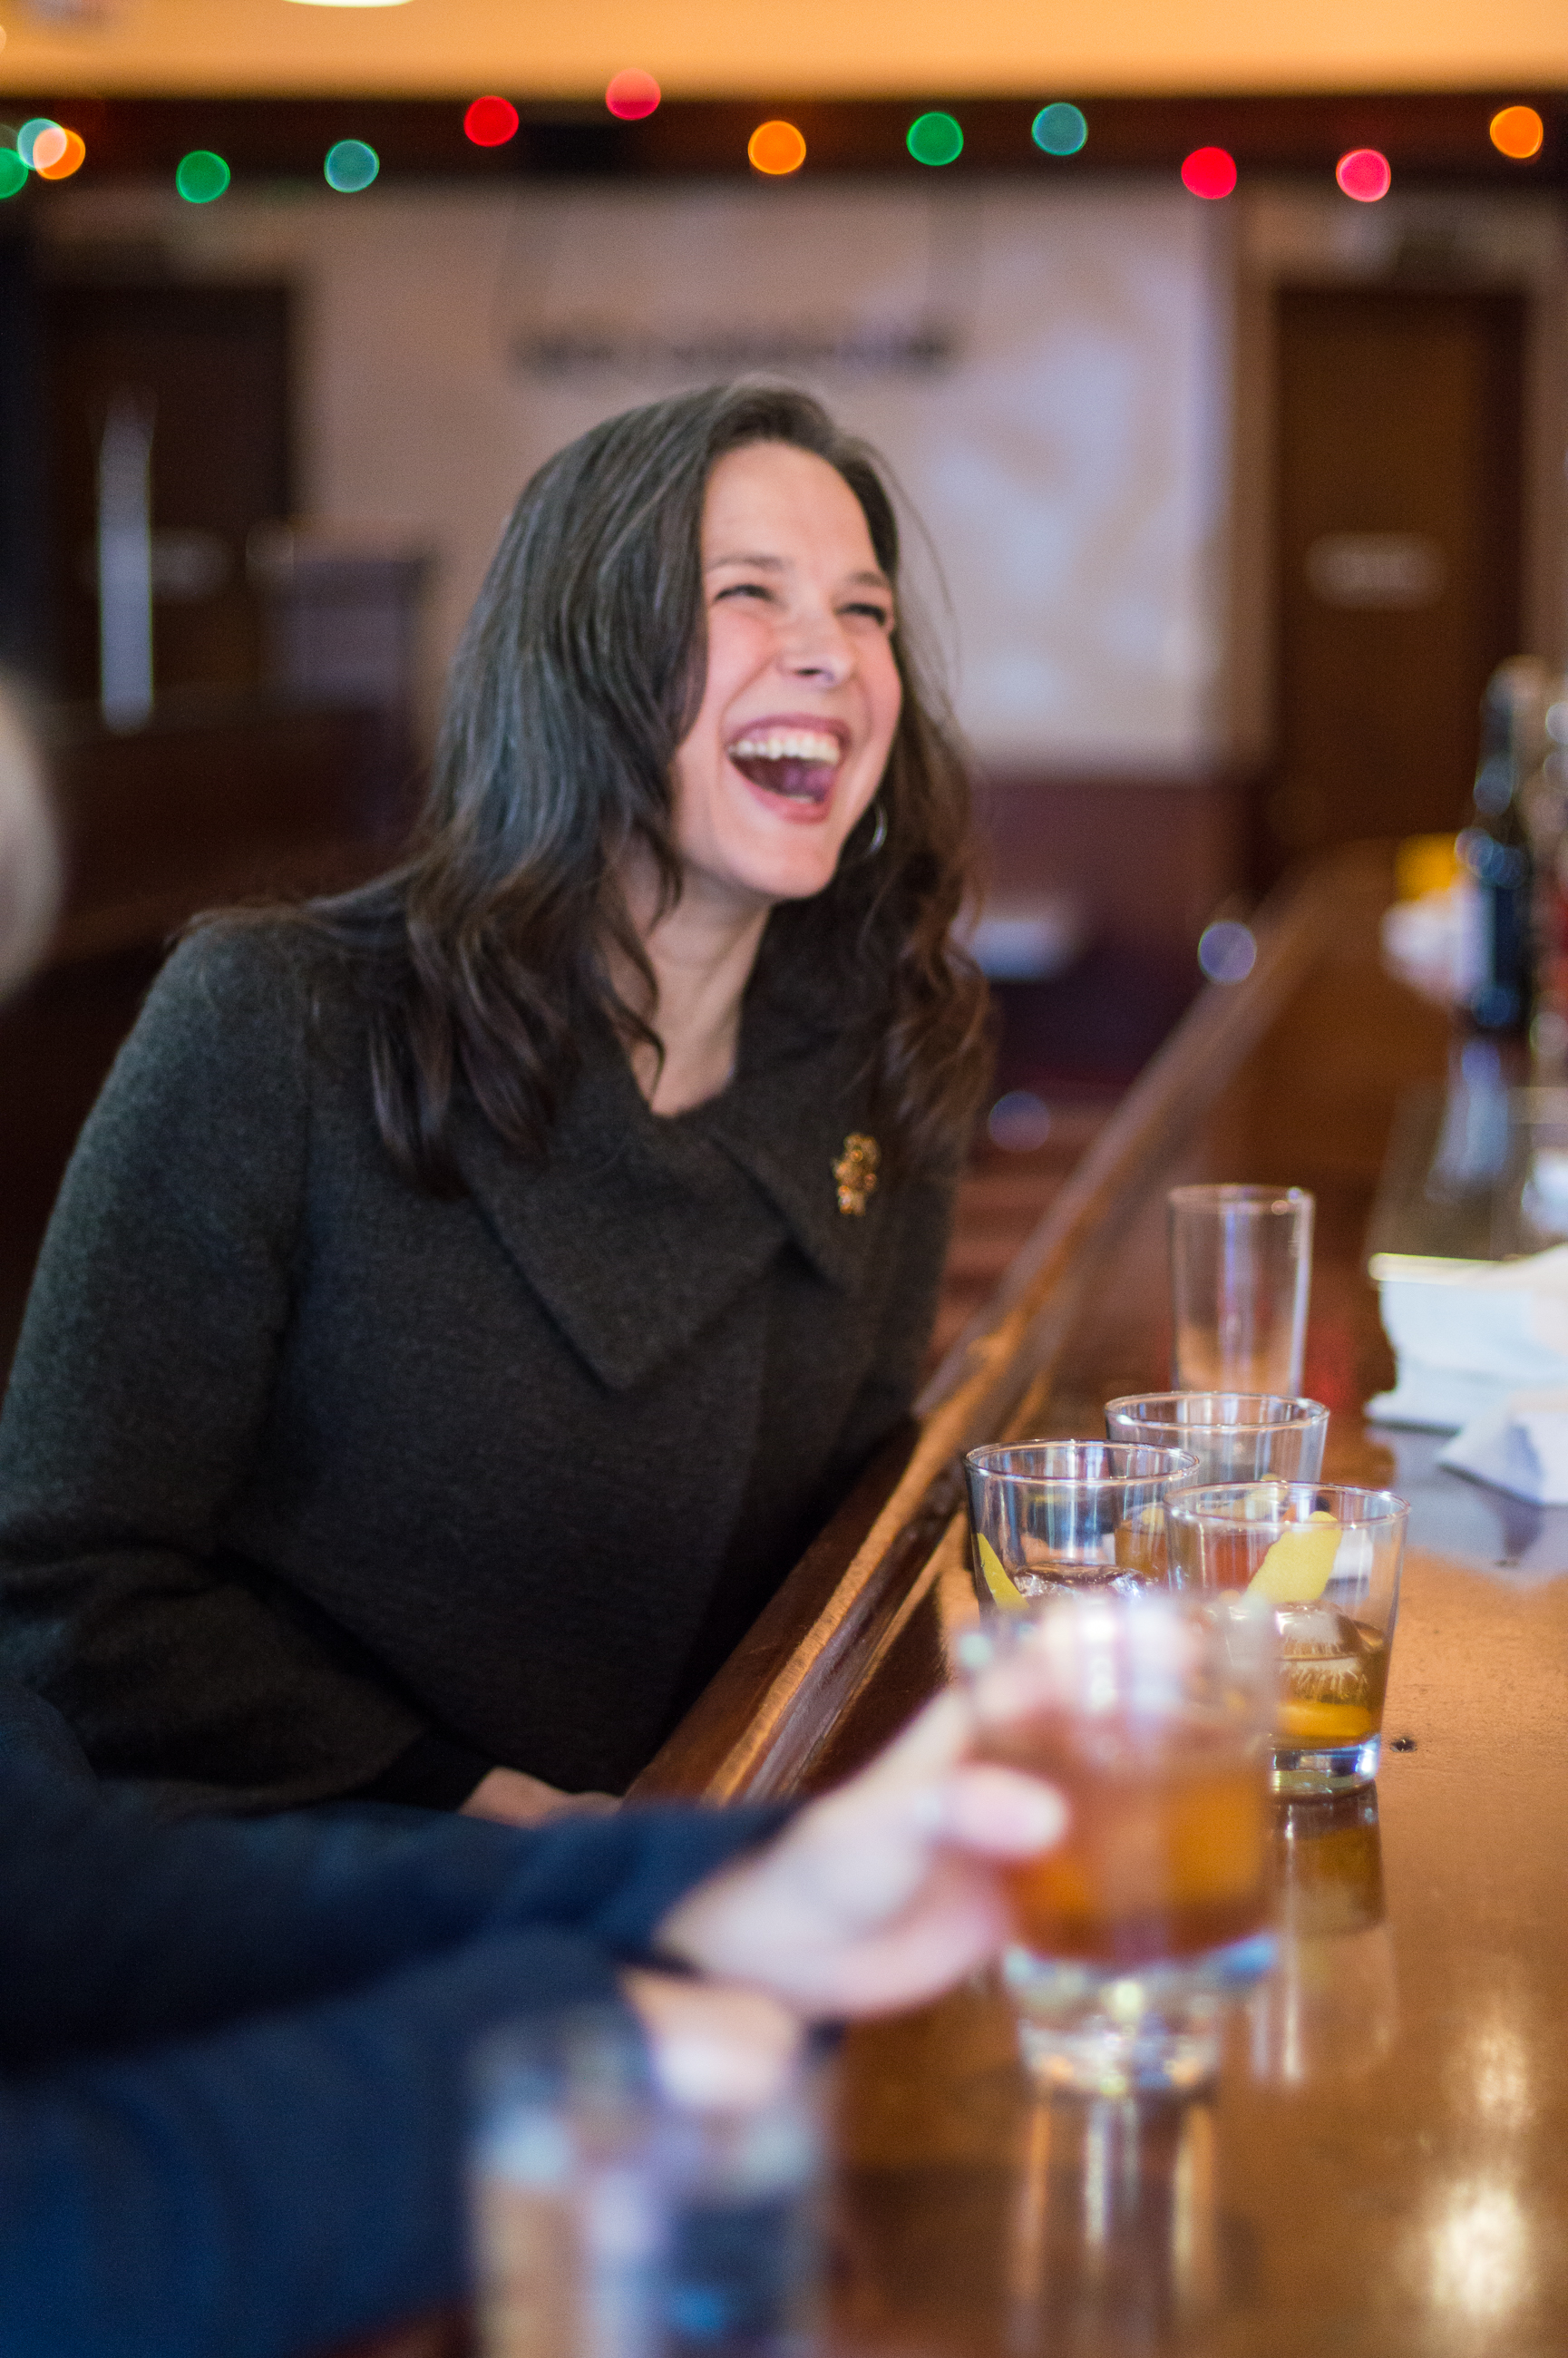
1150, 1713
1325, 1559
1235, 1436
1049, 1515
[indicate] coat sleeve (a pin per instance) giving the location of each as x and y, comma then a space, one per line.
177, 2181
124, 1932
141, 1383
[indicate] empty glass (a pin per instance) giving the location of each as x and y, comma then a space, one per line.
1049, 1515
1241, 1274
1235, 1436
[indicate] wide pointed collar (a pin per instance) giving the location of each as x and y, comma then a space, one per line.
638, 1231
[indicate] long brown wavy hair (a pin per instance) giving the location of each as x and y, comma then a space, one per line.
485, 959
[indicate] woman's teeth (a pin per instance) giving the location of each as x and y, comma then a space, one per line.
788, 745
797, 762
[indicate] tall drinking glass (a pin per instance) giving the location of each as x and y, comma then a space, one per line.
1326, 1557
1241, 1274
1048, 1515
1150, 1713
1235, 1436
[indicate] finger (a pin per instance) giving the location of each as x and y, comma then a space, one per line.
964, 1926
994, 1812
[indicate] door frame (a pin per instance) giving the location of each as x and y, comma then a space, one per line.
1284, 235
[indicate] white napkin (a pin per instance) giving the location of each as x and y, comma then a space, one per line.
1467, 1334
1521, 1446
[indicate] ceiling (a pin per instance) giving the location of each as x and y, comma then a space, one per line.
708, 48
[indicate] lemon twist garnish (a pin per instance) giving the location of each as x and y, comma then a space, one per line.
1004, 1590
1297, 1568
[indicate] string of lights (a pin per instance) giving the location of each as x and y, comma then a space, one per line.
43, 149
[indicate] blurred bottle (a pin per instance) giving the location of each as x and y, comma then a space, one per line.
1496, 847
1546, 810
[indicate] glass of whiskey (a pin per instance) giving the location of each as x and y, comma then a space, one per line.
1324, 1557
1150, 1712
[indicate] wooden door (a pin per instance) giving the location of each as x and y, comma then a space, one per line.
211, 364
1398, 554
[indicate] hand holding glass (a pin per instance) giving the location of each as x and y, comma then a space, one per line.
1150, 1713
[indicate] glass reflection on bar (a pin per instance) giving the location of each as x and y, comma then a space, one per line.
1116, 2241
1331, 2007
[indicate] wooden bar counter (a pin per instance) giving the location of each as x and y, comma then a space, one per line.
1383, 2167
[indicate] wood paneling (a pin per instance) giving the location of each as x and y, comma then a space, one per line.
215, 801
1400, 413
210, 365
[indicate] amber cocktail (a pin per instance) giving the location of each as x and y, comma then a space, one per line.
1151, 1714
1325, 1559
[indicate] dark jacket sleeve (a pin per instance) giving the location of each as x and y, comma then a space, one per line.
120, 1929
142, 1378
231, 2101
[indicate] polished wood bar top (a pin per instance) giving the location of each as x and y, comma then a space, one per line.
1381, 2170
1383, 2167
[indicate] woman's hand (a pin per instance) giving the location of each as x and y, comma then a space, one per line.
882, 1894
513, 1799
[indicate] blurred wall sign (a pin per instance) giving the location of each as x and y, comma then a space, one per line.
126, 563
649, 297
1386, 570
1042, 375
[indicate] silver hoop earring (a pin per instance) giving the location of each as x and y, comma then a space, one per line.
879, 832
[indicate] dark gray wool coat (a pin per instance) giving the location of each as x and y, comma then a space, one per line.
311, 1484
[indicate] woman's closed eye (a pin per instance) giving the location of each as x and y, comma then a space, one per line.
870, 610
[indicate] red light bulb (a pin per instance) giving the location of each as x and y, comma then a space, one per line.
632, 94
1208, 172
1365, 175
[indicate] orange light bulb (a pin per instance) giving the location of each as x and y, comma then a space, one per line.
1518, 132
776, 147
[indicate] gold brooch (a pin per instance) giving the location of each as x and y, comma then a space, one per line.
855, 1171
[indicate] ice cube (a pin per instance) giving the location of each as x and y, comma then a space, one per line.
1324, 1654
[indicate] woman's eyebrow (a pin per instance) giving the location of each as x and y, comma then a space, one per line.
760, 562
747, 556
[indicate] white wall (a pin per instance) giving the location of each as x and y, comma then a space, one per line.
1070, 463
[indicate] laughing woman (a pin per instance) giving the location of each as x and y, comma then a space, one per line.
469, 1295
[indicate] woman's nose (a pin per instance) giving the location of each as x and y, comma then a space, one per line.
816, 646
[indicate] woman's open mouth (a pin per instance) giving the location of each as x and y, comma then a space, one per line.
797, 762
